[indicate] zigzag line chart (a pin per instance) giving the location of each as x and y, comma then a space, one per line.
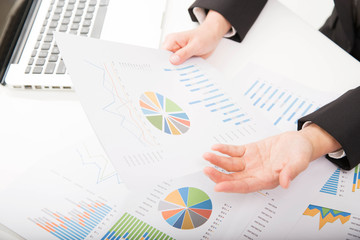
121, 106
105, 169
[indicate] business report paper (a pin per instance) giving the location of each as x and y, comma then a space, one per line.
155, 120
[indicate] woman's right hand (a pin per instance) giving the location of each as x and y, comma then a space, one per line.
200, 42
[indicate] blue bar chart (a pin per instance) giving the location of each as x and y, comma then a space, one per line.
343, 183
285, 106
331, 185
280, 100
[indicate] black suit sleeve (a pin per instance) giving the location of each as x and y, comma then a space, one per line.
341, 119
240, 13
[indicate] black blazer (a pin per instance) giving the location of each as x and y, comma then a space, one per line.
343, 26
340, 118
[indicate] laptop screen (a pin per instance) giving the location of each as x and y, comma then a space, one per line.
13, 14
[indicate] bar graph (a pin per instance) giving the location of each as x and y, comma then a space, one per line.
343, 183
356, 179
208, 94
130, 227
331, 185
281, 100
78, 223
285, 105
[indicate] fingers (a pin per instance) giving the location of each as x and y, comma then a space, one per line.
240, 182
184, 45
231, 150
171, 44
180, 45
183, 54
285, 177
217, 176
230, 164
245, 185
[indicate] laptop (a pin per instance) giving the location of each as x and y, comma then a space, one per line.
29, 56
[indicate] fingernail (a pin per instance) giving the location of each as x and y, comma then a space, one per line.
174, 59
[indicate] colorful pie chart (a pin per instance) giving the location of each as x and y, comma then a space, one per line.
186, 208
164, 114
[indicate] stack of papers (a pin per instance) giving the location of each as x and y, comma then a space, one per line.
154, 121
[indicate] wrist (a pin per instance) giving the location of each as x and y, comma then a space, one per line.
321, 141
217, 24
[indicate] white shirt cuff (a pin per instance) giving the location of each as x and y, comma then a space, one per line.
337, 154
201, 15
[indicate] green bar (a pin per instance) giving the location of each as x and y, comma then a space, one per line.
127, 216
162, 236
113, 227
126, 226
144, 230
134, 226
139, 229
136, 229
156, 234
151, 232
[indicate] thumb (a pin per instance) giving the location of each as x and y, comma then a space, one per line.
285, 176
182, 55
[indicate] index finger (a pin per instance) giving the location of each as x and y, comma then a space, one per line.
231, 150
245, 185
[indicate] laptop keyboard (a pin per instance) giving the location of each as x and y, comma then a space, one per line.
68, 16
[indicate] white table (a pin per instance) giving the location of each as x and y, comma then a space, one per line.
36, 123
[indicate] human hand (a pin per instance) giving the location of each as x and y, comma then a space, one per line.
201, 41
267, 163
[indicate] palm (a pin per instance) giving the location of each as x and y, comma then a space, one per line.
261, 165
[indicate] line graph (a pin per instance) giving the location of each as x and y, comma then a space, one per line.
327, 215
100, 161
119, 100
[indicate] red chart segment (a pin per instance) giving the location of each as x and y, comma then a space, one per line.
164, 114
186, 208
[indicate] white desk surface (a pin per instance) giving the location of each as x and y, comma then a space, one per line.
36, 123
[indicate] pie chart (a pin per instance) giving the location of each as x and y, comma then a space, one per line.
164, 114
186, 208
